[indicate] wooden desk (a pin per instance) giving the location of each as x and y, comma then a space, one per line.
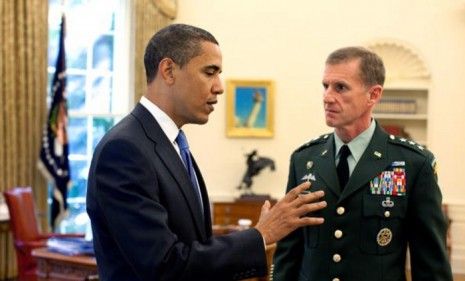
4, 226
228, 213
57, 267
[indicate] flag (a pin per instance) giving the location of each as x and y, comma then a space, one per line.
53, 159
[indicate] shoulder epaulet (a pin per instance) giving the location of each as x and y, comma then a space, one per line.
317, 140
408, 144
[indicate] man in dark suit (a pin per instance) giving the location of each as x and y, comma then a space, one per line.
381, 190
146, 197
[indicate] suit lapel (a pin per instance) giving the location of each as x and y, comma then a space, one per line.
326, 168
373, 161
173, 164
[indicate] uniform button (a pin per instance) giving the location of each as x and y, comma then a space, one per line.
337, 258
338, 234
336, 279
387, 214
340, 210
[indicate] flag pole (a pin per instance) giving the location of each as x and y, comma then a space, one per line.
53, 159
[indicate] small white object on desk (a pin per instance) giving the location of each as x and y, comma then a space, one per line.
4, 214
244, 223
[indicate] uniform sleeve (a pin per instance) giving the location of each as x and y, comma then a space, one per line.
427, 227
289, 251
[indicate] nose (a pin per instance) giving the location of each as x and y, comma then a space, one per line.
218, 87
328, 95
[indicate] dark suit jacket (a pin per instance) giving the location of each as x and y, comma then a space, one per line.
146, 221
365, 234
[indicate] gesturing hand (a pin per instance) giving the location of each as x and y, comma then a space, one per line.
290, 213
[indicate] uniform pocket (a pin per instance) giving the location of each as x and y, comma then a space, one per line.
382, 225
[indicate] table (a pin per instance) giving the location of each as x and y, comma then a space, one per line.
58, 267
4, 225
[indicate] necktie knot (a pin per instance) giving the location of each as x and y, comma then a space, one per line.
344, 152
182, 141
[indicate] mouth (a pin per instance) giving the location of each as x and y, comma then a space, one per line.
330, 111
211, 104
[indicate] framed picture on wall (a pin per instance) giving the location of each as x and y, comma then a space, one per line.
249, 108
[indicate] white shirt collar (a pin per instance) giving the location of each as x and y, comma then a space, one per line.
166, 123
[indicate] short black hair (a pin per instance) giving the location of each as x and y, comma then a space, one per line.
372, 71
179, 42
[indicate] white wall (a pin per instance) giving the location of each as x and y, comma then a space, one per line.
288, 41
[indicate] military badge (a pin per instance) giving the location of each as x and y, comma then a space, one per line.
384, 237
309, 165
398, 164
391, 182
387, 203
309, 177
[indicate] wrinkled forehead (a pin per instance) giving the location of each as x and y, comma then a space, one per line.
342, 71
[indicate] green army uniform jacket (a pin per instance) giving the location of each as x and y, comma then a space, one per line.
392, 200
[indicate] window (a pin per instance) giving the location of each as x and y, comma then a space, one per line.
97, 48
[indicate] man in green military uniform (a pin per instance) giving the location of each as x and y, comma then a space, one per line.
381, 190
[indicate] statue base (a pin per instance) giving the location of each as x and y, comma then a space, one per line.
254, 197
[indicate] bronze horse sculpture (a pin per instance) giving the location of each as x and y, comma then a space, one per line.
255, 164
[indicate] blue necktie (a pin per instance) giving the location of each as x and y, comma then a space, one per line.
186, 158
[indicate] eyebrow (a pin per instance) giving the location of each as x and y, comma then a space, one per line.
334, 81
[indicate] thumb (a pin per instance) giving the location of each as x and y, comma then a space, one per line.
265, 208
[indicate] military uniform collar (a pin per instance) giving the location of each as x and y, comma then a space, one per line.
358, 145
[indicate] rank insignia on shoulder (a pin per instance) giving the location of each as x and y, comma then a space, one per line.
314, 141
407, 143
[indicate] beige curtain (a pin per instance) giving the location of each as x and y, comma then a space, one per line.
23, 80
150, 16
23, 91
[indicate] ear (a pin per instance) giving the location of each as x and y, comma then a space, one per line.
166, 70
375, 92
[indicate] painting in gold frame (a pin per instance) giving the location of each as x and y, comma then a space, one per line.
249, 108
